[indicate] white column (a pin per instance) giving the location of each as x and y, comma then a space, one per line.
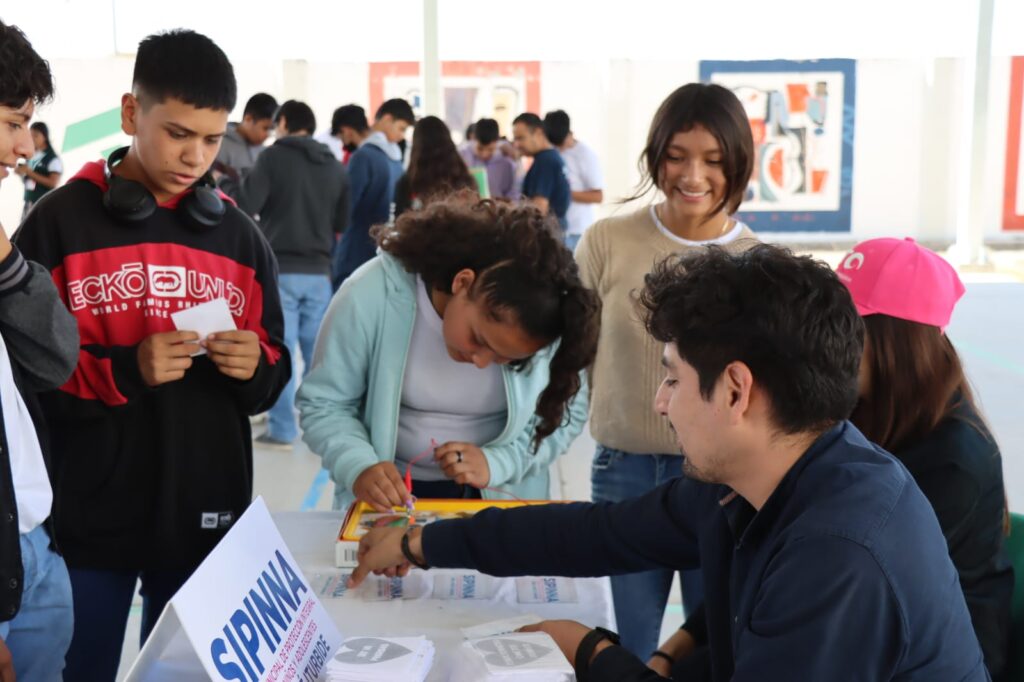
432, 103
295, 79
969, 248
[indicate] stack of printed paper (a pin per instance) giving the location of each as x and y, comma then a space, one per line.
381, 659
514, 657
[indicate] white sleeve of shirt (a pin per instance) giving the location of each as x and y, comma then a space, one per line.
33, 495
56, 166
590, 170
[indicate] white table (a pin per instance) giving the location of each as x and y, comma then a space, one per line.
311, 535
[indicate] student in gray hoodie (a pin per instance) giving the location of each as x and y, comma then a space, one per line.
243, 142
300, 193
375, 169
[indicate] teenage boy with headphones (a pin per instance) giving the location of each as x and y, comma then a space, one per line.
152, 443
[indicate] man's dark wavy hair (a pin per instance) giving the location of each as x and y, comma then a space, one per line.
786, 317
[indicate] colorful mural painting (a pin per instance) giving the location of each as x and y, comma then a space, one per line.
472, 90
802, 119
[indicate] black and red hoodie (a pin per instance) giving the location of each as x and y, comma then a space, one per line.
150, 477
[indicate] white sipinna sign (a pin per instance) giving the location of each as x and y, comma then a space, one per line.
247, 614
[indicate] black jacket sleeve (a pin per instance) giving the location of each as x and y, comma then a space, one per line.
343, 209
657, 530
254, 189
260, 392
616, 664
697, 626
111, 373
39, 332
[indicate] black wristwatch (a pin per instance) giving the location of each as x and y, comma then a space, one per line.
586, 650
407, 553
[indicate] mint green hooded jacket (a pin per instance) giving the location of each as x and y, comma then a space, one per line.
350, 399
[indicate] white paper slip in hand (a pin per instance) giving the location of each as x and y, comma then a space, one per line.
205, 319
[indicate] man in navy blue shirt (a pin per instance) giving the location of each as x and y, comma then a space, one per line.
822, 559
546, 184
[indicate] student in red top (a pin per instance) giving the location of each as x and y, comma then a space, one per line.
151, 442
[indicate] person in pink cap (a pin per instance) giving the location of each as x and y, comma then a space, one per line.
915, 402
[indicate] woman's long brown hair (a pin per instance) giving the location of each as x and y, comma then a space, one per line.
915, 380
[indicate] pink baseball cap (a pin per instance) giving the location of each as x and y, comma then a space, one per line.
900, 278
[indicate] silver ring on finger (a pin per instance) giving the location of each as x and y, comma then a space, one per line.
458, 456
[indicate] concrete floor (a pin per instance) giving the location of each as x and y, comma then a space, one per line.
988, 330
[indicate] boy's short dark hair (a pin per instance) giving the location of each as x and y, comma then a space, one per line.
486, 131
186, 66
530, 120
297, 116
556, 127
260, 106
787, 317
24, 76
398, 109
349, 116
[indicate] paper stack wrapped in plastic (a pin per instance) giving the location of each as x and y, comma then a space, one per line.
514, 657
381, 659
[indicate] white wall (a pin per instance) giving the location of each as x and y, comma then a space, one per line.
908, 127
92, 86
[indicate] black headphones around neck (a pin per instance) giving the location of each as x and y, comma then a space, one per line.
130, 201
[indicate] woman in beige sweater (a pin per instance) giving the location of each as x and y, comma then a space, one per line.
699, 155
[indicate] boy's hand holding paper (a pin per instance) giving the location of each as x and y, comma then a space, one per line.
166, 357
235, 352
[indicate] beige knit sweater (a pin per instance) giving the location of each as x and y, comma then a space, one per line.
613, 256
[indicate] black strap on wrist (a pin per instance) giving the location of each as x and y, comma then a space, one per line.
662, 654
407, 553
586, 650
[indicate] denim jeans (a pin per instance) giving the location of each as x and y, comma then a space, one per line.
304, 300
103, 599
640, 598
40, 634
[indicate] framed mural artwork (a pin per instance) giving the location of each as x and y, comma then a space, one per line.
802, 119
471, 90
1013, 189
